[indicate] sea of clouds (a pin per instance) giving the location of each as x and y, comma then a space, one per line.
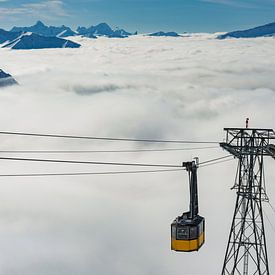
186, 88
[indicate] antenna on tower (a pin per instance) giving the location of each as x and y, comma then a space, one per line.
247, 123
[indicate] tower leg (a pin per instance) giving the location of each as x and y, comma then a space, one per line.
246, 251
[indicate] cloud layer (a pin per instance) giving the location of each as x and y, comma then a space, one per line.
139, 87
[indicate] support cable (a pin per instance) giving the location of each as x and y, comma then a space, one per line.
212, 160
102, 151
269, 221
90, 173
90, 162
272, 207
101, 173
210, 164
105, 138
102, 163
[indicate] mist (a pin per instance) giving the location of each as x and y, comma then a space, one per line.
186, 88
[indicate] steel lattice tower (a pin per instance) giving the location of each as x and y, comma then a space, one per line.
246, 251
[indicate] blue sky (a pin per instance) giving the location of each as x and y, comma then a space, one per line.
141, 15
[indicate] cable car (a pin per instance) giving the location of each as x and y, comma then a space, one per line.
188, 230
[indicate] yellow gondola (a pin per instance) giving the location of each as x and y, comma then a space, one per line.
188, 230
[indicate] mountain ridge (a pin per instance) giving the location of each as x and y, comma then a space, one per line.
167, 34
260, 31
8, 36
103, 29
30, 41
49, 31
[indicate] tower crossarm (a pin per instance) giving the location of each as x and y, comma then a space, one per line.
249, 141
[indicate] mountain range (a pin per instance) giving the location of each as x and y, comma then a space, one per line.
261, 31
6, 79
103, 29
40, 36
41, 29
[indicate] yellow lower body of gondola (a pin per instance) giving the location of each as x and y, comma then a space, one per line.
187, 245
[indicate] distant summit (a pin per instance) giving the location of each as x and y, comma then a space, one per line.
120, 33
261, 31
41, 29
102, 29
87, 32
6, 79
168, 34
29, 41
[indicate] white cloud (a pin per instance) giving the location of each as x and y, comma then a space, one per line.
237, 3
52, 7
43, 10
186, 88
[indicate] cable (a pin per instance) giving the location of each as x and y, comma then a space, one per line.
212, 160
90, 162
216, 162
89, 173
272, 207
102, 173
105, 138
102, 151
271, 224
104, 163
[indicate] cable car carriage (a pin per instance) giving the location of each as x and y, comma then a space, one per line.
188, 230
